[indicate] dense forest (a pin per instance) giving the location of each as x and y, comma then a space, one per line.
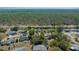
39, 16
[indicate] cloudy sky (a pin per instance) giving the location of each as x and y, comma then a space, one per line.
39, 3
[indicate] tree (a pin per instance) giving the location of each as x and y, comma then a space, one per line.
31, 35
29, 28
14, 29
2, 30
77, 27
36, 40
64, 45
31, 32
1, 49
42, 38
54, 49
60, 41
59, 29
25, 29
53, 43
2, 36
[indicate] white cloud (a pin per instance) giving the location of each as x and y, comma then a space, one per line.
39, 3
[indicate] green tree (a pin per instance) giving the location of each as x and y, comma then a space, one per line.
64, 45
14, 28
31, 35
60, 41
29, 28
53, 43
1, 49
2, 30
31, 32
38, 39
42, 38
3, 36
77, 27
59, 29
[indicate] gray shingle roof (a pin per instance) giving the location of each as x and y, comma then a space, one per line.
20, 49
39, 48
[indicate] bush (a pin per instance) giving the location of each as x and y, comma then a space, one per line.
54, 49
2, 30
53, 43
14, 29
38, 39
2, 36
61, 41
59, 29
1, 49
31, 32
64, 45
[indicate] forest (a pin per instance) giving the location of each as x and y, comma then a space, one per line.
39, 16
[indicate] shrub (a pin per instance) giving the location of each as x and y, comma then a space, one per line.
14, 29
61, 41
1, 49
2, 30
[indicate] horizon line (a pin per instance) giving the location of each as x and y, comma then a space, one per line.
39, 7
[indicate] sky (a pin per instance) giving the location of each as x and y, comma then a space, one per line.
39, 3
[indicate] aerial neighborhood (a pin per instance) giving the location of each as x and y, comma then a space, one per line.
39, 39
39, 29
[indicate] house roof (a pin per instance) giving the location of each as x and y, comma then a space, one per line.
20, 49
11, 33
39, 48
